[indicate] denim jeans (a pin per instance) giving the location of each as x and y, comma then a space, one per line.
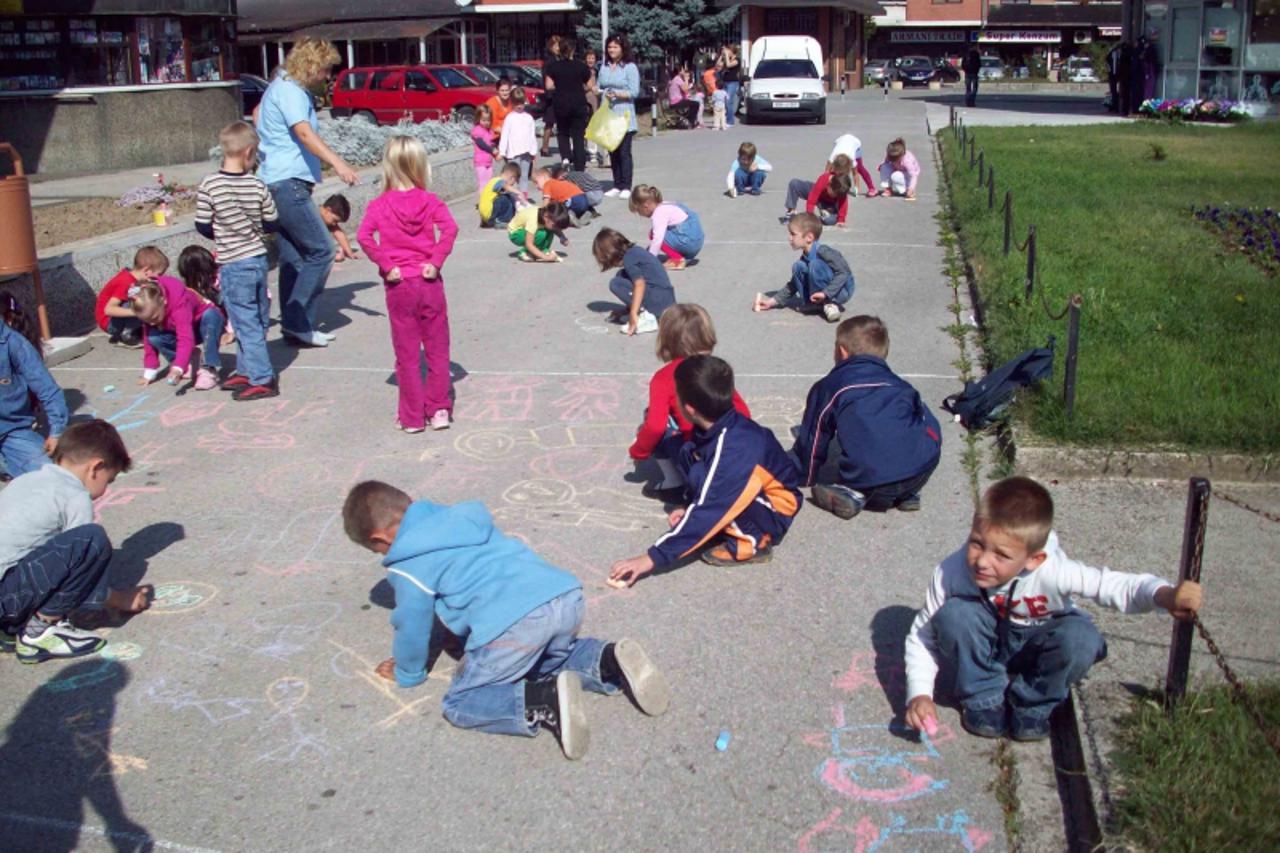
208, 331
488, 691
971, 90
577, 204
732, 110
244, 295
686, 237
621, 163
813, 275
1032, 666
798, 190
66, 573
306, 255
886, 496
744, 181
22, 451
655, 299
117, 325
504, 209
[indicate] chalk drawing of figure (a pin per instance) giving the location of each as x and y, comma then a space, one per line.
952, 831
589, 398
777, 413
869, 764
557, 502
497, 398
190, 411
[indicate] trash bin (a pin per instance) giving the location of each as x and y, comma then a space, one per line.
18, 248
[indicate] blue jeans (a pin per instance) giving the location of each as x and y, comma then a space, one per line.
118, 325
799, 189
22, 451
655, 300
744, 181
813, 275
488, 691
1032, 666
244, 295
66, 573
306, 255
686, 237
578, 204
731, 110
208, 331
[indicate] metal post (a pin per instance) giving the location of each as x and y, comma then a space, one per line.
982, 167
1175, 680
953, 118
604, 29
991, 188
266, 62
1008, 220
1073, 351
653, 112
973, 151
1031, 260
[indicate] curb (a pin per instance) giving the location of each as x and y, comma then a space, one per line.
1051, 462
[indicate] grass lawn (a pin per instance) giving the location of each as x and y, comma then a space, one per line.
1180, 337
1201, 779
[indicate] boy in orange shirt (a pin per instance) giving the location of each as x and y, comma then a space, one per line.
567, 193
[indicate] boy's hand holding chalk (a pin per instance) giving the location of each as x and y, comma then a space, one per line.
922, 714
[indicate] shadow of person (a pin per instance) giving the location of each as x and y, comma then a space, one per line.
335, 302
129, 566
58, 755
889, 627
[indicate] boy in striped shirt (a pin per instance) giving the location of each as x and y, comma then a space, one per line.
234, 208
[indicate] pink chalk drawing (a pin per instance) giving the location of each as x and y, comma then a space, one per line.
573, 463
500, 399
862, 767
149, 455
559, 503
189, 411
862, 673
588, 398
948, 831
121, 496
262, 429
493, 445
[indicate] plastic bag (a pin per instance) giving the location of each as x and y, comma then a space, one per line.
607, 128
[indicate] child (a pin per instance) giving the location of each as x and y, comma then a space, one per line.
519, 140
889, 440
643, 285
850, 147
1000, 611
591, 188
719, 108
821, 278
899, 172
112, 310
742, 482
53, 558
532, 229
199, 272
565, 192
485, 142
234, 208
24, 379
499, 198
518, 616
415, 236
171, 318
674, 230
684, 330
335, 212
828, 197
747, 173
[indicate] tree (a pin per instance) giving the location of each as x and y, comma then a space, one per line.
658, 30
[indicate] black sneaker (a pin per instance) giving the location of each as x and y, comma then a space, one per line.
911, 503
557, 705
644, 681
841, 501
1026, 728
673, 495
986, 722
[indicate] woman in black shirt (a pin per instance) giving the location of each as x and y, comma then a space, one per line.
567, 81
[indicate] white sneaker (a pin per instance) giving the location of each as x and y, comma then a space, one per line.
62, 640
624, 194
575, 734
613, 193
326, 335
648, 685
440, 420
646, 323
832, 312
733, 192
311, 339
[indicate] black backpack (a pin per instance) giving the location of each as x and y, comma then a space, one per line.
984, 401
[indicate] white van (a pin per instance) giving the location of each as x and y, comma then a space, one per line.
786, 79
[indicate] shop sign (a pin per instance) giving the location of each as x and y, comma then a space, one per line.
1110, 32
925, 36
1219, 36
1020, 36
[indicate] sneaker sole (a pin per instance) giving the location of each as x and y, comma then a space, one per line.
575, 734
837, 505
648, 685
35, 654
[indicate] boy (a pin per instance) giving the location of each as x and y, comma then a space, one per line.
565, 192
532, 229
518, 616
1000, 611
112, 310
499, 200
53, 558
889, 440
591, 188
829, 196
234, 208
743, 482
719, 108
335, 212
820, 279
747, 173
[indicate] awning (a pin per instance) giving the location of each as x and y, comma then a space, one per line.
368, 30
498, 8
862, 7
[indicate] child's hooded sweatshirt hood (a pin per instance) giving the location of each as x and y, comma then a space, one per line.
450, 562
406, 222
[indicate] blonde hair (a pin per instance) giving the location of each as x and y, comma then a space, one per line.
405, 164
642, 193
1020, 507
483, 112
842, 165
310, 59
237, 138
148, 299
685, 329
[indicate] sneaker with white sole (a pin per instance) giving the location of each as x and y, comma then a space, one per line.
441, 420
646, 323
557, 705
206, 379
832, 312
40, 641
624, 194
304, 339
326, 335
733, 192
410, 430
614, 193
646, 683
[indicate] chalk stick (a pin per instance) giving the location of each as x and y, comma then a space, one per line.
930, 726
722, 742
616, 584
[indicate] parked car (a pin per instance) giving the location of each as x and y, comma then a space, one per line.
875, 71
1079, 69
252, 88
945, 72
913, 70
785, 79
520, 73
990, 68
386, 94
479, 73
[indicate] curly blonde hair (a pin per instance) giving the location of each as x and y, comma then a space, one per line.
309, 59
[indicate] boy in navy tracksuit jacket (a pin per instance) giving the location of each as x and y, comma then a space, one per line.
518, 616
890, 442
742, 485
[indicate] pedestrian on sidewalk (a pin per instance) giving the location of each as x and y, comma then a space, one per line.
519, 141
972, 67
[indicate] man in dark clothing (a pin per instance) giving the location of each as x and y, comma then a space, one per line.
971, 66
1113, 78
1123, 65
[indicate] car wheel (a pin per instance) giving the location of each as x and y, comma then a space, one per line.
366, 117
822, 116
465, 114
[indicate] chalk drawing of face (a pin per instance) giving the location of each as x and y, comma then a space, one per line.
539, 493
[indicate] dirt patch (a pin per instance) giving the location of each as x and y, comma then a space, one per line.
93, 217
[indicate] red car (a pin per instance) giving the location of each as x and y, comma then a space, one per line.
386, 94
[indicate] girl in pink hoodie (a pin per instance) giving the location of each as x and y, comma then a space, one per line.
415, 233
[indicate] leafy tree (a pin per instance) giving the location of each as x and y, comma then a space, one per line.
658, 30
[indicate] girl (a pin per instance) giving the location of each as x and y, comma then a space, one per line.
199, 271
23, 380
899, 172
684, 330
415, 234
483, 139
643, 286
172, 316
850, 147
674, 230
533, 227
519, 140
619, 81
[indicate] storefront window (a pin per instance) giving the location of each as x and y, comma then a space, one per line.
1221, 35
1263, 48
206, 51
160, 50
99, 53
29, 51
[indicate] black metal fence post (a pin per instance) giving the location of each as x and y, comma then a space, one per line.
1175, 680
1073, 351
973, 151
982, 168
1031, 260
1008, 220
953, 118
991, 188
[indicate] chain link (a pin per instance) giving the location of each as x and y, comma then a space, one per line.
1269, 516
1238, 691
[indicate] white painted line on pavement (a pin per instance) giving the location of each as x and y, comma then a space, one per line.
889, 245
71, 826
356, 369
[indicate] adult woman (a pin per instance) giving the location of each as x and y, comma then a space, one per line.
619, 82
678, 97
567, 81
730, 75
555, 48
291, 152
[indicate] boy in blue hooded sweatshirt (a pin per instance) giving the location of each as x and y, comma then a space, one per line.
518, 616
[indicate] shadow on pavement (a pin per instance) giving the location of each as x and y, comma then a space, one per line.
1081, 105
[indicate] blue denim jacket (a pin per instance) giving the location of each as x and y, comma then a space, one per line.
22, 373
624, 77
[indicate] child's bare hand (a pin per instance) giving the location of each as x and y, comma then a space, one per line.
142, 380
387, 669
1182, 601
393, 274
842, 225
818, 298
50, 445
673, 517
922, 714
429, 271
632, 324
626, 572
764, 303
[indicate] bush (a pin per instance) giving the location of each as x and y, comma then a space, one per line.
361, 143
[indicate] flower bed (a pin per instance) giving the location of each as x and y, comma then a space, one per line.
1253, 233
1193, 109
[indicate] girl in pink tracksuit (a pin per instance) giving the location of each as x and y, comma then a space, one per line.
415, 233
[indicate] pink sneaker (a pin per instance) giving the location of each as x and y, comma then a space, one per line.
206, 379
440, 420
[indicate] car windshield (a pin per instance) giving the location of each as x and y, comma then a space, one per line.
484, 75
773, 68
916, 63
990, 62
451, 78
532, 77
